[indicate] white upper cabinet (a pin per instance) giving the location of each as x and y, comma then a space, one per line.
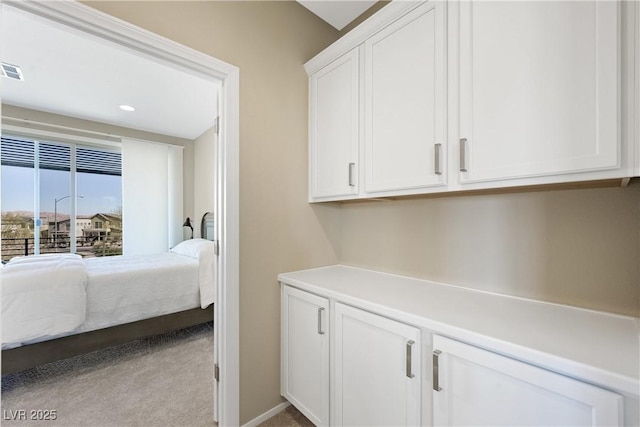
404, 102
466, 95
334, 128
538, 88
475, 387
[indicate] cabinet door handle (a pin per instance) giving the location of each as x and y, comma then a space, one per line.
351, 167
463, 155
320, 331
438, 170
436, 371
410, 344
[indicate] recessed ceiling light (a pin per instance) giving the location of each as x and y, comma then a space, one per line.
12, 72
127, 108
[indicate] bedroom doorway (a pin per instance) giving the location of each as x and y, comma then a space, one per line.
80, 19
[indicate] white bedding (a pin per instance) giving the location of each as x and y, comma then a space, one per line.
42, 296
42, 300
204, 251
124, 289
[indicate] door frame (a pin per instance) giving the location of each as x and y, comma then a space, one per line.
90, 22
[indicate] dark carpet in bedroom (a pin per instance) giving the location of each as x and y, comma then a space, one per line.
165, 380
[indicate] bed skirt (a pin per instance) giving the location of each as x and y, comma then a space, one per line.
31, 355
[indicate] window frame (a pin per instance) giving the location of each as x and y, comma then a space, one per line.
74, 138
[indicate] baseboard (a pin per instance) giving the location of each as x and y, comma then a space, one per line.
270, 413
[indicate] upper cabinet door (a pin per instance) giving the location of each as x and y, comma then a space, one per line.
538, 88
334, 128
405, 103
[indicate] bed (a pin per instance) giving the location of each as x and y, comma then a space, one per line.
57, 306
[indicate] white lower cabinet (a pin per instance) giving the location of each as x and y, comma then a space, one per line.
345, 366
305, 353
472, 386
376, 371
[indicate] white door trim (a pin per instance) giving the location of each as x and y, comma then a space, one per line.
90, 22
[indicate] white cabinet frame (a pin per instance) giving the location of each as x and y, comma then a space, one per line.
612, 157
473, 72
334, 128
405, 103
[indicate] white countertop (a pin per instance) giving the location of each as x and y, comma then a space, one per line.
593, 346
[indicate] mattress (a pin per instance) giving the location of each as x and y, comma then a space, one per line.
124, 289
119, 289
51, 296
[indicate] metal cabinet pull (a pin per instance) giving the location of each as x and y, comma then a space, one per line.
436, 371
320, 331
351, 167
463, 155
410, 344
437, 169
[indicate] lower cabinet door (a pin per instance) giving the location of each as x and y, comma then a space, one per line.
305, 353
472, 386
376, 371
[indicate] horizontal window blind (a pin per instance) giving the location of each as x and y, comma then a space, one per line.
17, 151
91, 160
55, 157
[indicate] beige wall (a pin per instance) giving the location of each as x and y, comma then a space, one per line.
279, 231
578, 247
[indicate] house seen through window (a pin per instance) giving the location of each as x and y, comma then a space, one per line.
41, 182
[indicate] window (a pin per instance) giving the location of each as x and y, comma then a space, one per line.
50, 192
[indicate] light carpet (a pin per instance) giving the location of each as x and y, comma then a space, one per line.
166, 380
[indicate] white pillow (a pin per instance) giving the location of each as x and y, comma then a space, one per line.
192, 248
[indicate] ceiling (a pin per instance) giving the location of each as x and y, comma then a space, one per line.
338, 13
76, 75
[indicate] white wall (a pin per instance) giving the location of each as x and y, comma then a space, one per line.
204, 176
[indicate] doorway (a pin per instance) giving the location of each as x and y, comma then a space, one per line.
81, 19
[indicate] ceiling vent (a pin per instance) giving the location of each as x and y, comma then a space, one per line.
12, 72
